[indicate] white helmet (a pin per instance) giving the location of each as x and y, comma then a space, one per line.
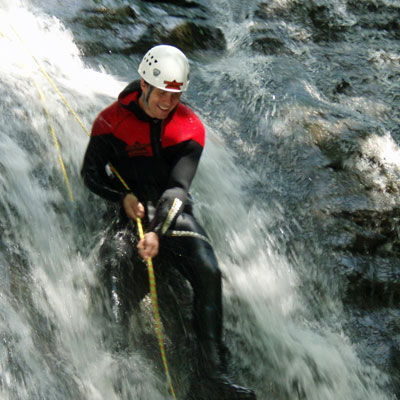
166, 68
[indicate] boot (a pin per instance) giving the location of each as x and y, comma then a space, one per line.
213, 383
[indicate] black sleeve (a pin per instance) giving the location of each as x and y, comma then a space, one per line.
175, 196
95, 172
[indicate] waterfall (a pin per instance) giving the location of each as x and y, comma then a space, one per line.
52, 341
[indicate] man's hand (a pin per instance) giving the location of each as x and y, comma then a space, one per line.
148, 246
133, 208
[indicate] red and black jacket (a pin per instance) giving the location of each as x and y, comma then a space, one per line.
157, 159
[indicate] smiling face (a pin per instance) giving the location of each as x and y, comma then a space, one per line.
157, 103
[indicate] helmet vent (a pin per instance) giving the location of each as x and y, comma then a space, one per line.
150, 59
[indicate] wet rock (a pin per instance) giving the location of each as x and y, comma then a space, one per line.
373, 282
180, 3
336, 140
391, 25
141, 44
134, 34
326, 26
112, 26
190, 36
106, 18
286, 10
266, 43
343, 87
352, 147
376, 231
322, 20
370, 261
388, 23
386, 16
376, 336
394, 366
89, 49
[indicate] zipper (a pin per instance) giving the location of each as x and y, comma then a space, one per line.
155, 137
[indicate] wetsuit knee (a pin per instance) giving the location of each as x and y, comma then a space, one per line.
122, 273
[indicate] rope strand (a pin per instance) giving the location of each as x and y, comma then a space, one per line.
55, 140
152, 280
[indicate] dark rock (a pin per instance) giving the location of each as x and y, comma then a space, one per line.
268, 45
377, 231
105, 18
337, 141
376, 337
267, 10
89, 49
343, 87
373, 282
395, 363
386, 17
392, 25
140, 46
190, 36
327, 26
180, 3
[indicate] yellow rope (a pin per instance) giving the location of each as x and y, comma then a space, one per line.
51, 82
52, 131
56, 144
156, 312
153, 293
152, 281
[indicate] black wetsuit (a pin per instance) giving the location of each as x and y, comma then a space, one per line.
158, 160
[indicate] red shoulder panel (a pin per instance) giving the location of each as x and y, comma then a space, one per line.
183, 125
124, 125
104, 121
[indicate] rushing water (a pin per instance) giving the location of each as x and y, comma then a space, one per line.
286, 342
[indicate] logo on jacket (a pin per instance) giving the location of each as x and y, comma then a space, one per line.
139, 149
173, 85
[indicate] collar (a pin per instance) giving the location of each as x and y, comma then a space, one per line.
129, 99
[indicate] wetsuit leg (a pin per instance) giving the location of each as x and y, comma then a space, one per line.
196, 260
123, 274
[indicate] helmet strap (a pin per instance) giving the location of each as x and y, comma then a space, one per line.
146, 98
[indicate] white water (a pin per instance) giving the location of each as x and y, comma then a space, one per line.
52, 347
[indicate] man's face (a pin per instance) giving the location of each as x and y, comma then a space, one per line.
160, 103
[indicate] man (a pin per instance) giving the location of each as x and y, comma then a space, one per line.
155, 143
